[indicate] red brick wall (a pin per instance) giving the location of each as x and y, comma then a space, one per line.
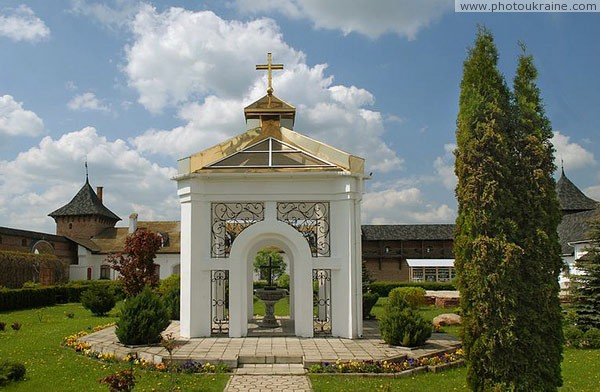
81, 226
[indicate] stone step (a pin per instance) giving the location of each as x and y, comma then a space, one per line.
269, 369
269, 359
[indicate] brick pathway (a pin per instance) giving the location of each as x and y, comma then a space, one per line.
266, 378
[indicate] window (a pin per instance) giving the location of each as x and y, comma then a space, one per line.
24, 242
105, 271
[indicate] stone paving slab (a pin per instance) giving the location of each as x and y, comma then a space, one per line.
270, 383
269, 350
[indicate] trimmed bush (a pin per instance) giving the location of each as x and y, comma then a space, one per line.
99, 299
591, 338
404, 327
384, 288
29, 298
172, 302
407, 296
573, 336
143, 318
369, 300
20, 267
11, 371
173, 282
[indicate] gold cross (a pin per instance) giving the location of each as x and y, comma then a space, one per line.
269, 67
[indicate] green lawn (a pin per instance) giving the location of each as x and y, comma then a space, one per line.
52, 367
581, 372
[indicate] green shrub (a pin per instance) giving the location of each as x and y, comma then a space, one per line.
369, 300
573, 336
407, 296
283, 282
11, 371
15, 299
591, 338
384, 288
143, 318
172, 302
404, 327
169, 284
99, 299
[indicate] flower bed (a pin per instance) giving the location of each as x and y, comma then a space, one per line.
72, 341
433, 363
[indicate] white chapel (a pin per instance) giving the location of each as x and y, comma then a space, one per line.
271, 186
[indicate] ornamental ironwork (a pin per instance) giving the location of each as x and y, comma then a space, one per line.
311, 219
321, 301
228, 221
219, 293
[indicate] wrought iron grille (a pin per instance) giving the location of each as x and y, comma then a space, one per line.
321, 301
219, 296
311, 219
228, 221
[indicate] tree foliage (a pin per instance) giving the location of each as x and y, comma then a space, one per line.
505, 245
136, 264
262, 260
585, 285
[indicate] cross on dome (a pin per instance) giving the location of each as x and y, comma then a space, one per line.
269, 67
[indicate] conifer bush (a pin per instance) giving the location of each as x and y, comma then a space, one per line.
143, 318
11, 371
99, 299
401, 324
404, 326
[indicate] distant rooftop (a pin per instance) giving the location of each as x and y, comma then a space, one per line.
571, 198
408, 232
85, 202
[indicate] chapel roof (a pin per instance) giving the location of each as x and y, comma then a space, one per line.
571, 198
85, 202
437, 232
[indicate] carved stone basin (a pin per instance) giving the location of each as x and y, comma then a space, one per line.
270, 296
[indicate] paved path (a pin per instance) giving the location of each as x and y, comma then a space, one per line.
267, 378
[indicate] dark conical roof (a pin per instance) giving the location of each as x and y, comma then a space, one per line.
572, 199
85, 202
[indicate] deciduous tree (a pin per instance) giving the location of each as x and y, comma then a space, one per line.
136, 264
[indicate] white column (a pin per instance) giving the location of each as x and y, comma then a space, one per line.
195, 280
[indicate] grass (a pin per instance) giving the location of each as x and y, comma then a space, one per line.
53, 367
581, 372
282, 307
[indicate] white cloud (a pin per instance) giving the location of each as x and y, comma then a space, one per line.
572, 154
444, 167
180, 56
371, 18
87, 101
593, 192
119, 15
47, 176
406, 205
16, 121
21, 24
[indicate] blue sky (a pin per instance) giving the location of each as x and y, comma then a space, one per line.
132, 86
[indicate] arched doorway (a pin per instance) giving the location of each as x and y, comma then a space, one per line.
241, 273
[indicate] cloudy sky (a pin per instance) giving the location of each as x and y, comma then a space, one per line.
132, 86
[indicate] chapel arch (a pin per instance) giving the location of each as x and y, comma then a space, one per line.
299, 260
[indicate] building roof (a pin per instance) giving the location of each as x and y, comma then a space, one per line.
85, 202
408, 232
430, 262
112, 239
571, 198
575, 227
31, 234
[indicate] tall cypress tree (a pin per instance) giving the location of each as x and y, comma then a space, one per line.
539, 328
487, 258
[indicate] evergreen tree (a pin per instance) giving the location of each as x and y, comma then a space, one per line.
487, 258
586, 285
538, 328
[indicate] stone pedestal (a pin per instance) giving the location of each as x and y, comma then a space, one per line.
270, 296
